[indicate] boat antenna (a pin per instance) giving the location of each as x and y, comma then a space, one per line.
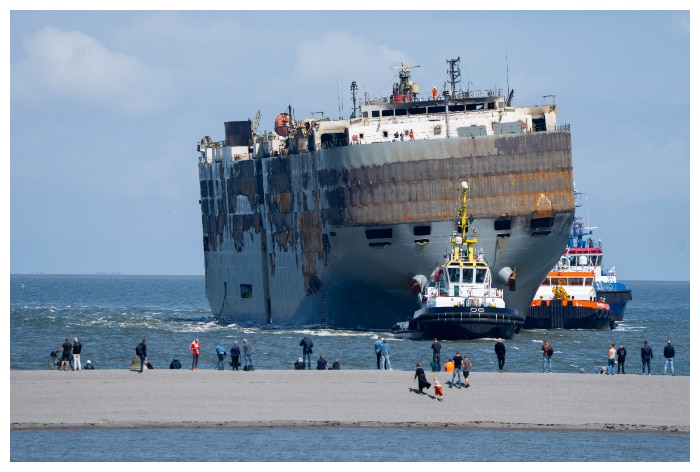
507, 75
340, 102
454, 74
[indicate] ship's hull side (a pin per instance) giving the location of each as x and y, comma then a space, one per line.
570, 314
616, 295
457, 323
333, 237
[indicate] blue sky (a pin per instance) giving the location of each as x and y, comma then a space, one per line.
106, 109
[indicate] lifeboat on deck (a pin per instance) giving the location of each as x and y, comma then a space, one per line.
282, 124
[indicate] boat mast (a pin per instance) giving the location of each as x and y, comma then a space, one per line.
463, 227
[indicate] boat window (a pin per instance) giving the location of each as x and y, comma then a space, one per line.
467, 275
387, 112
375, 113
417, 111
546, 281
401, 112
589, 281
453, 273
541, 222
246, 291
480, 275
575, 281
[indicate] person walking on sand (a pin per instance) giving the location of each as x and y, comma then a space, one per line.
457, 371
235, 355
647, 356
248, 353
378, 352
386, 354
621, 354
466, 368
307, 344
438, 389
436, 347
142, 353
611, 360
66, 354
422, 381
547, 352
194, 346
500, 350
669, 353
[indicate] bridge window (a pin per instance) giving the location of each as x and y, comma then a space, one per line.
383, 233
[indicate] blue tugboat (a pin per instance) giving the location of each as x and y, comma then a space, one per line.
457, 301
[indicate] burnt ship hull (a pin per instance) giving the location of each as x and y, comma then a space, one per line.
460, 323
568, 314
332, 237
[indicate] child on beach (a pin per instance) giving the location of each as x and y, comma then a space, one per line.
438, 389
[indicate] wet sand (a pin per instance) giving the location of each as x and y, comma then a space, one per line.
211, 398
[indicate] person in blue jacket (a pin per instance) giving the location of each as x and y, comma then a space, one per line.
378, 352
386, 354
307, 344
221, 355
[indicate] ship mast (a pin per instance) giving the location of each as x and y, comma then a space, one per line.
460, 240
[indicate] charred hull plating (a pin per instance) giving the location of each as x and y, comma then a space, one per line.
333, 237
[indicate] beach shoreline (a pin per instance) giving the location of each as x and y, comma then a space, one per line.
162, 398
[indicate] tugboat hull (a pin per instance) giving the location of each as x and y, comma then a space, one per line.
571, 314
460, 323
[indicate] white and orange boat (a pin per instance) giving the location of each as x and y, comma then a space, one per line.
567, 299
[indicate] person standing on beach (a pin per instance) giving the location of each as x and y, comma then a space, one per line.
466, 368
669, 353
378, 352
194, 346
307, 344
457, 371
611, 360
547, 352
422, 381
77, 347
436, 347
221, 356
621, 354
141, 352
248, 353
500, 350
235, 355
66, 354
647, 356
386, 354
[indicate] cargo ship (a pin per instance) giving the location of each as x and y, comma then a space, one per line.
324, 222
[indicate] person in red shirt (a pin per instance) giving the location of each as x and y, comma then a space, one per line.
195, 353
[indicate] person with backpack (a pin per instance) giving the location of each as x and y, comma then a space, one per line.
141, 352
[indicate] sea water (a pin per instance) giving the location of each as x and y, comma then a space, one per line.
111, 313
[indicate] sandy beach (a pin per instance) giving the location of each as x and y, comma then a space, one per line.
206, 398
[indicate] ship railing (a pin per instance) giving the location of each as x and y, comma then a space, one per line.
485, 93
564, 127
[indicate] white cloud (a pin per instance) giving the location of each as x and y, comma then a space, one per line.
339, 53
71, 66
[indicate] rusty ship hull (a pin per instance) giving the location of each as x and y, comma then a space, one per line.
325, 222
